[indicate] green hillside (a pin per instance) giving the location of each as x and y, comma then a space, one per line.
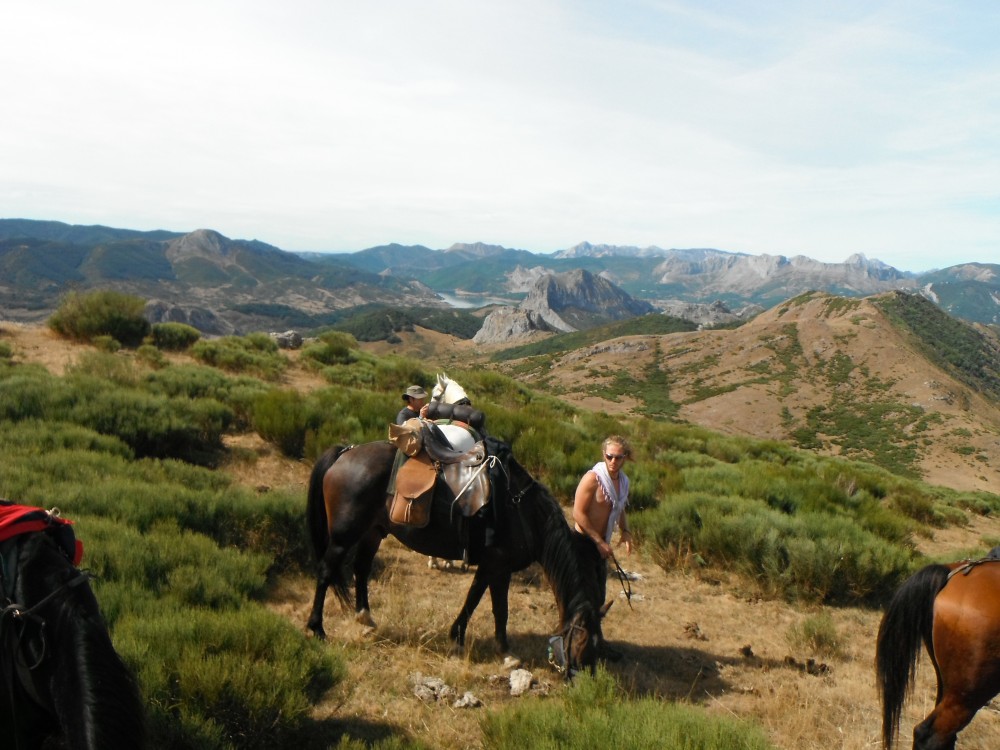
184, 557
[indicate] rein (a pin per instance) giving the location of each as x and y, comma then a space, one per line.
624, 579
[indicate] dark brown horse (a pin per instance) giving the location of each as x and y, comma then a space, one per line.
953, 611
522, 524
62, 680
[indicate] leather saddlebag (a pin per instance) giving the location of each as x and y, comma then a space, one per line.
411, 503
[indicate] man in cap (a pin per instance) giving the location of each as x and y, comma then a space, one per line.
416, 404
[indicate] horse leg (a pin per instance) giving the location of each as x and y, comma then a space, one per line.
480, 582
323, 577
329, 572
499, 589
939, 731
363, 561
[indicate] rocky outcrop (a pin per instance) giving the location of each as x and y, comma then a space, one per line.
510, 324
577, 300
709, 315
778, 276
571, 301
205, 320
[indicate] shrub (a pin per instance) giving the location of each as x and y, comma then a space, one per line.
256, 354
593, 713
103, 313
151, 356
332, 348
818, 634
174, 337
282, 417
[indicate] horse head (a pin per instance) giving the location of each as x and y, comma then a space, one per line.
576, 646
447, 391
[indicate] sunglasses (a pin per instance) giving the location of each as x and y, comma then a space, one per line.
613, 457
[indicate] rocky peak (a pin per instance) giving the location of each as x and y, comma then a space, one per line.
569, 301
199, 243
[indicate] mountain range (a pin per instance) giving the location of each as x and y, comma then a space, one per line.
221, 285
862, 363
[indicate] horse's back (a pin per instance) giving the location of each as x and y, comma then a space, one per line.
363, 468
966, 634
967, 615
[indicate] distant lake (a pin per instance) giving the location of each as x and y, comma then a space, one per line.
473, 300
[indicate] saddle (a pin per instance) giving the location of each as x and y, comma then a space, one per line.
968, 565
23, 519
425, 455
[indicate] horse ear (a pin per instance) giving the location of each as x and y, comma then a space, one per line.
606, 607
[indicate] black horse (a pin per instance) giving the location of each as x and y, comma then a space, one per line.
62, 680
522, 524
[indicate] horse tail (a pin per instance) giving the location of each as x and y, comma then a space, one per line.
316, 519
906, 624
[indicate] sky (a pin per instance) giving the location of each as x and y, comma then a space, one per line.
787, 127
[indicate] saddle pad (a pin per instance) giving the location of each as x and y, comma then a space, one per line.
23, 519
458, 435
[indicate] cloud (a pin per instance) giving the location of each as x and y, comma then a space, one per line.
787, 129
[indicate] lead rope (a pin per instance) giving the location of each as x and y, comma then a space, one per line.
625, 581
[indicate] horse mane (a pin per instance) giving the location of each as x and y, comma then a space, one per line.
94, 695
106, 687
568, 558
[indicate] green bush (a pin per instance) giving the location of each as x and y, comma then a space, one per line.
150, 356
86, 316
332, 348
283, 418
593, 713
256, 354
818, 634
106, 344
243, 678
173, 337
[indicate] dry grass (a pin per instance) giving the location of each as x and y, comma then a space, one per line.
685, 639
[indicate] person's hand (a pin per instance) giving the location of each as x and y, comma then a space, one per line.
423, 411
604, 549
626, 539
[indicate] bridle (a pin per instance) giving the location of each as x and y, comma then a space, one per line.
15, 620
558, 657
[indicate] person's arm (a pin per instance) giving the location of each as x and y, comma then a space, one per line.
625, 534
585, 492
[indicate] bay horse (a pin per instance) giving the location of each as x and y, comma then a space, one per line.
62, 679
952, 610
347, 518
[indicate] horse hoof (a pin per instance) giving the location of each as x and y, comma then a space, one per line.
365, 618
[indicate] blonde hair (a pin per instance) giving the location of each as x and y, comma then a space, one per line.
617, 440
